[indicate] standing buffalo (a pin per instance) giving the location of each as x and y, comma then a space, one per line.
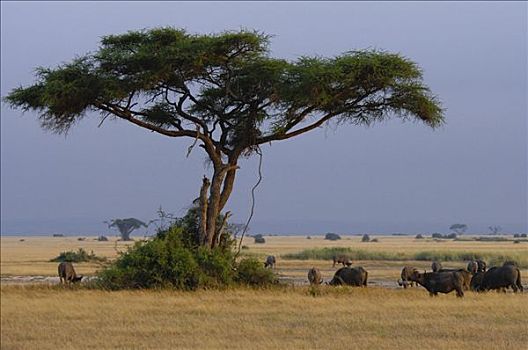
314, 276
356, 276
466, 275
436, 266
441, 282
476, 281
341, 259
500, 278
472, 267
406, 276
481, 265
270, 261
67, 273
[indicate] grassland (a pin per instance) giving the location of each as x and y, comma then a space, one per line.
292, 317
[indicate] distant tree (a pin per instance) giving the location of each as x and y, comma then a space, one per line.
458, 228
365, 238
225, 93
495, 230
126, 226
419, 236
332, 236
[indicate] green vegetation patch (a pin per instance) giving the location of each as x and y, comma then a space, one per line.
359, 254
80, 255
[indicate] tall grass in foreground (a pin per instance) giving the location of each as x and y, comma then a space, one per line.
244, 318
426, 255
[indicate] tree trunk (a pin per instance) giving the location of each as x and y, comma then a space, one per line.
220, 229
202, 231
213, 207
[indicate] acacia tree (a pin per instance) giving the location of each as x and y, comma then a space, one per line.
126, 226
226, 93
459, 228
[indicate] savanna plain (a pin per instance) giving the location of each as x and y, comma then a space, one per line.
37, 313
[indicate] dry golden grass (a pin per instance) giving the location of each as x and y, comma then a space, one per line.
50, 317
31, 256
39, 317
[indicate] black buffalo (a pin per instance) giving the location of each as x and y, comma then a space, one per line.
341, 259
465, 274
472, 267
500, 278
436, 265
270, 261
441, 282
481, 265
351, 276
67, 273
406, 276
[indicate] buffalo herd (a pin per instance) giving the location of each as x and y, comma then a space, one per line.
475, 277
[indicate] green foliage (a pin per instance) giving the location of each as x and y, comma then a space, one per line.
80, 255
170, 260
332, 236
494, 259
251, 271
230, 77
166, 261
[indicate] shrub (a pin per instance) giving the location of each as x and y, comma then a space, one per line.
259, 239
308, 237
81, 239
332, 236
166, 261
365, 238
523, 235
516, 235
419, 236
172, 260
78, 256
374, 240
252, 272
245, 247
516, 241
58, 235
102, 238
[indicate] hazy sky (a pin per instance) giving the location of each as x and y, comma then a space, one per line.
392, 177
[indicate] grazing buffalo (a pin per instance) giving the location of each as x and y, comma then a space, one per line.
501, 278
472, 267
341, 259
441, 282
314, 276
436, 266
67, 273
406, 276
270, 261
356, 276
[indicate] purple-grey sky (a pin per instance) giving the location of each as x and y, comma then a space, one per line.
391, 177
